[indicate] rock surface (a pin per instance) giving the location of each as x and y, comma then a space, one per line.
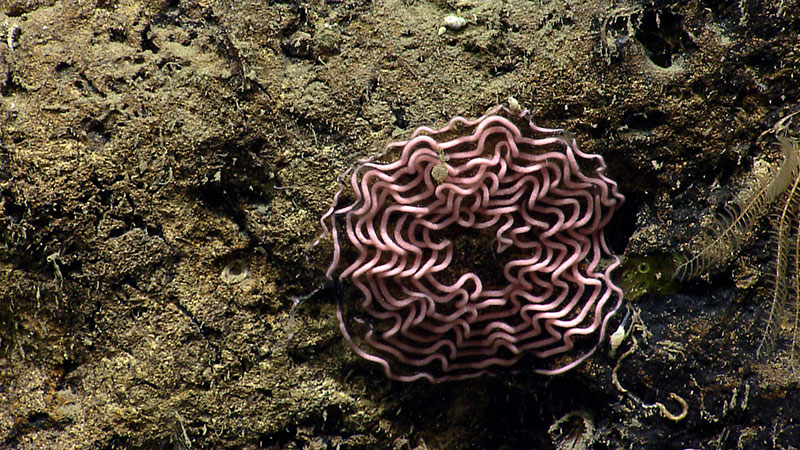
163, 166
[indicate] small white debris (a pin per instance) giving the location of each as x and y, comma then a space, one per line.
235, 272
617, 337
513, 105
11, 36
455, 22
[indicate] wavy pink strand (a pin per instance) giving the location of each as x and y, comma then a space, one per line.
431, 319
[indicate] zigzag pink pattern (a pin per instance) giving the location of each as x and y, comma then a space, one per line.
431, 317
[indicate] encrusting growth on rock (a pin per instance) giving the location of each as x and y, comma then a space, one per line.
524, 195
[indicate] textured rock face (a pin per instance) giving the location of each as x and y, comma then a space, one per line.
163, 166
